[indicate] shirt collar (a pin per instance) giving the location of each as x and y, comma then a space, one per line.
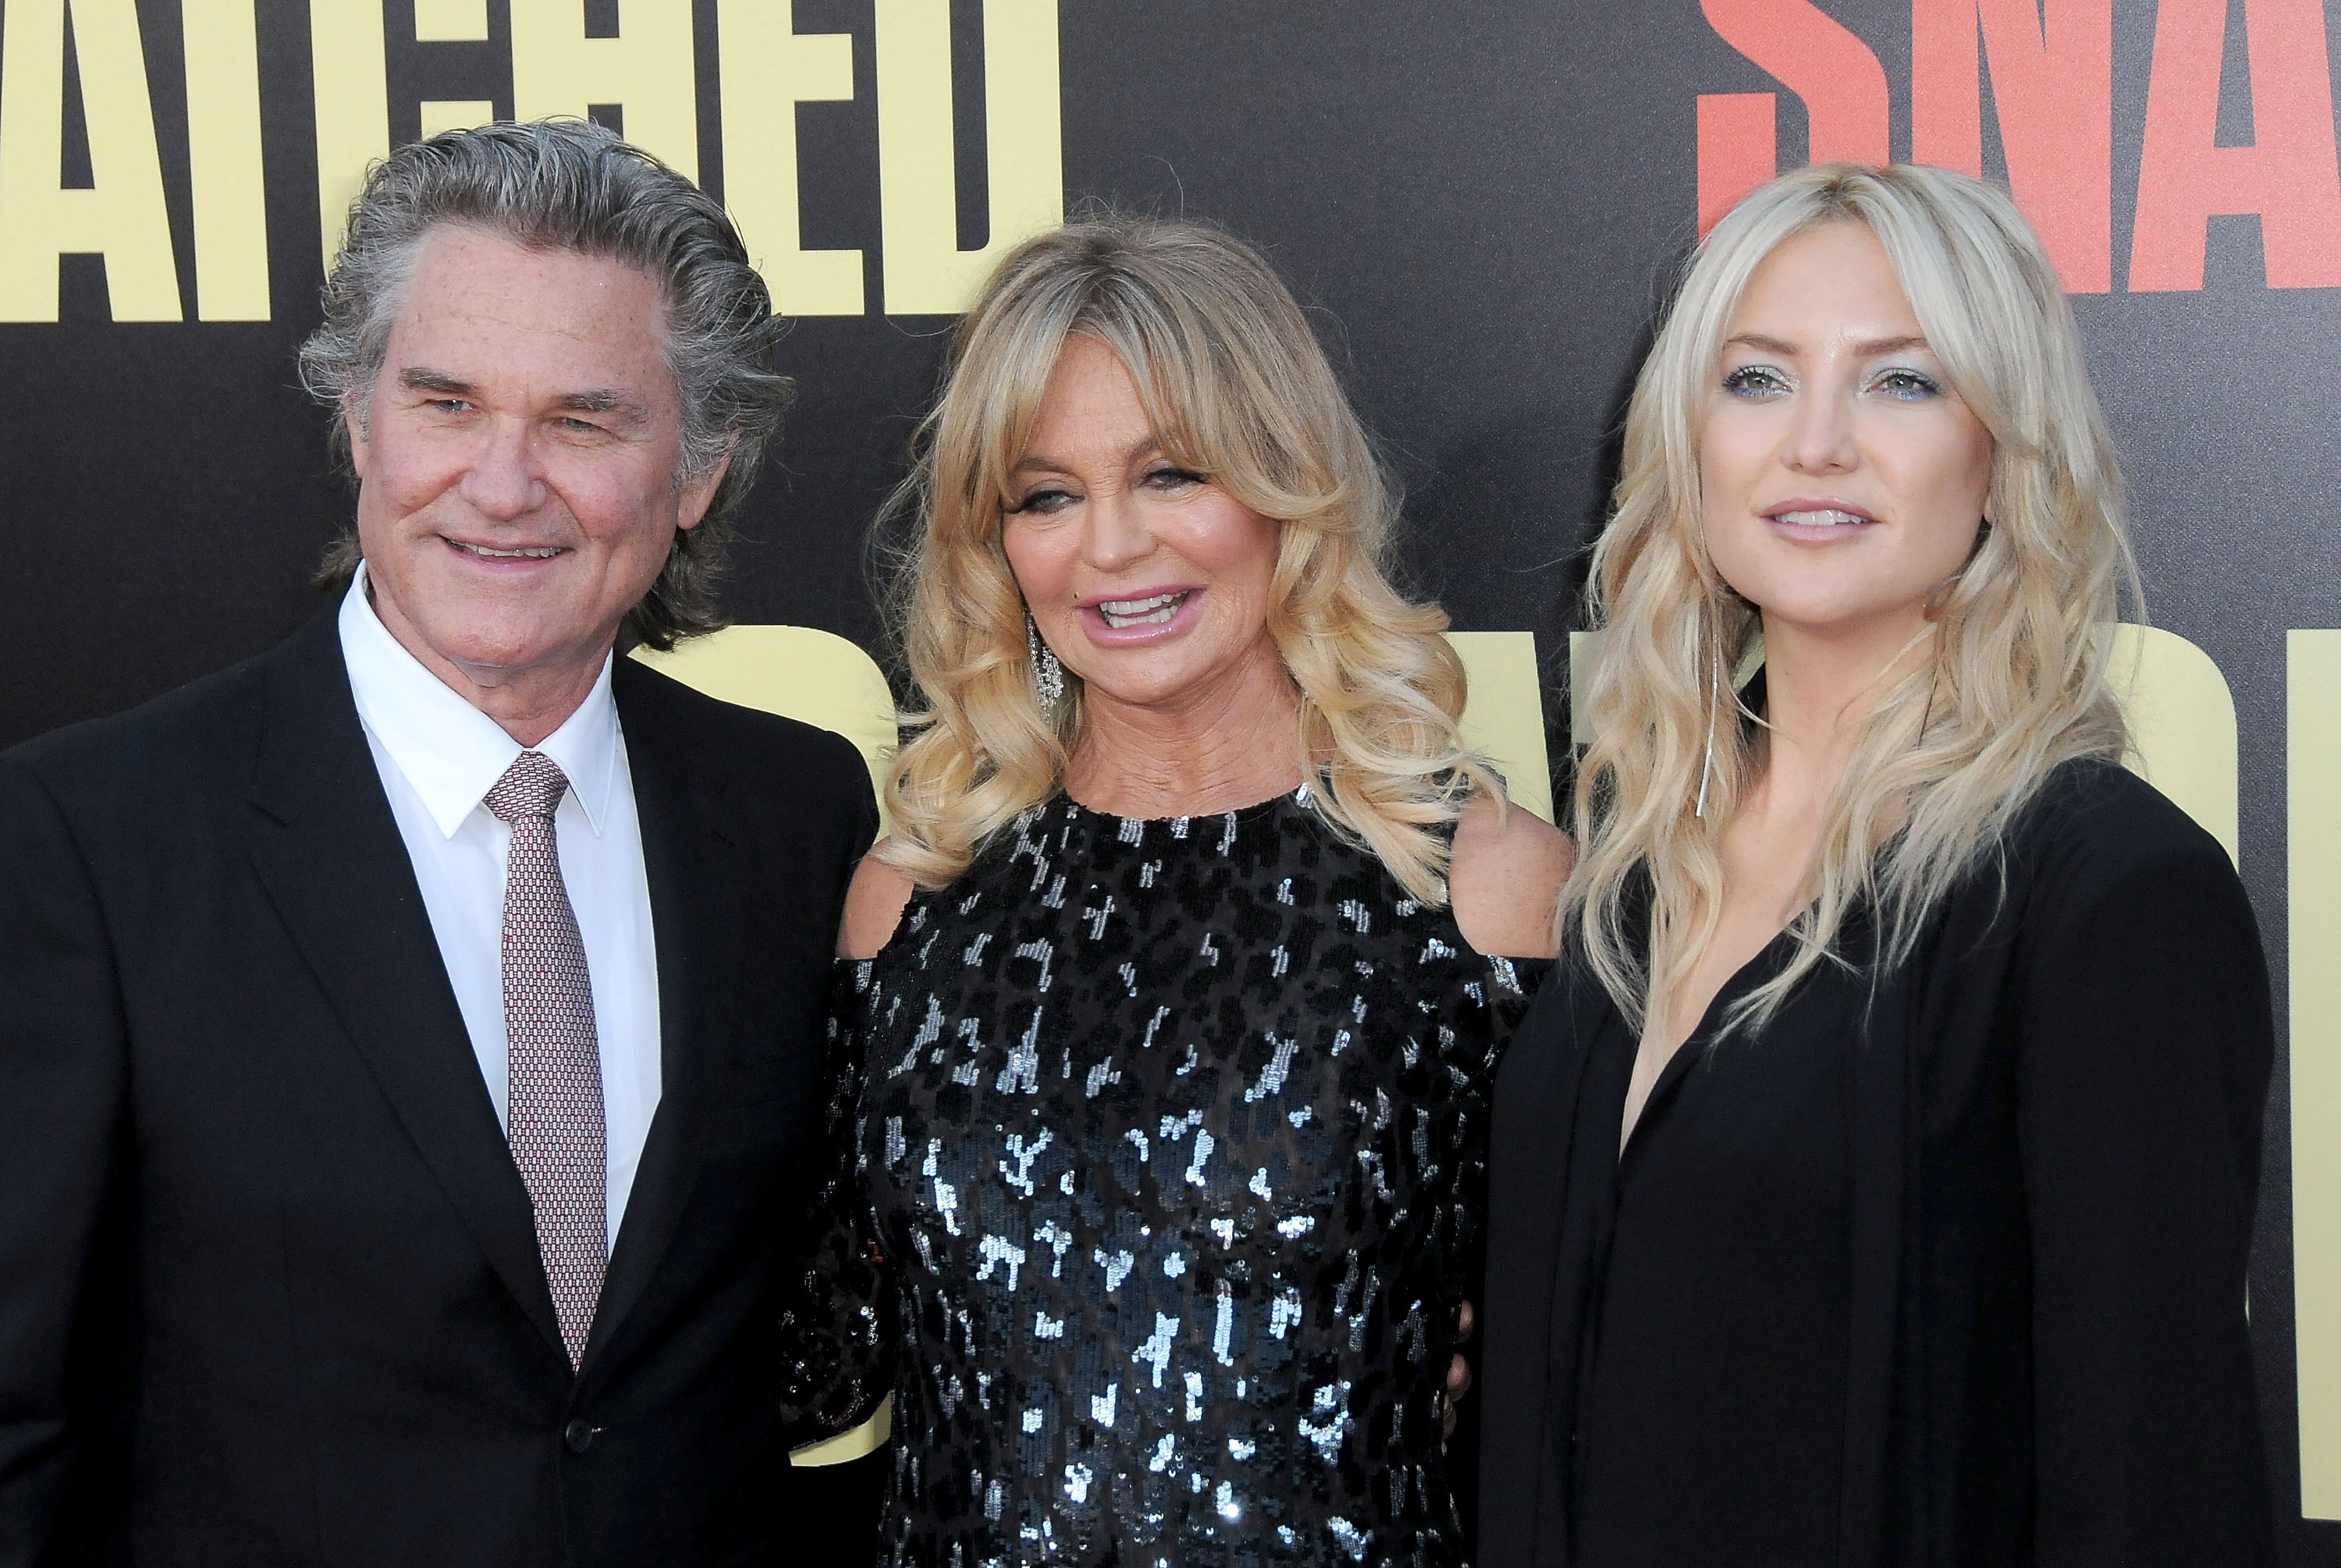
450, 751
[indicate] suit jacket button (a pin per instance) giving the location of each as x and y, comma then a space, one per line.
579, 1436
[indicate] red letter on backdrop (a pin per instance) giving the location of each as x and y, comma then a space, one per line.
2288, 176
1841, 82
2052, 78
1738, 150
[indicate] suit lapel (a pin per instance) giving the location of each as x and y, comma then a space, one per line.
338, 873
696, 899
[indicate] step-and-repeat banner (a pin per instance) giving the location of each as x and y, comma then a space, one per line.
1480, 200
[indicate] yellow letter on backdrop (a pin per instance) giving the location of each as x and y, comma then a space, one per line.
2312, 899
350, 88
647, 70
122, 217
926, 271
224, 155
767, 69
451, 21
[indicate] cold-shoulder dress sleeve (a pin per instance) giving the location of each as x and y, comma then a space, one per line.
2145, 1040
837, 1330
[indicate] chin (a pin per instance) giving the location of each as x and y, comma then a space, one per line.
490, 643
1161, 692
1840, 618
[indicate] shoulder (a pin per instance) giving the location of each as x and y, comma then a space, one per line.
1504, 879
2094, 824
798, 773
874, 903
2099, 844
874, 907
650, 699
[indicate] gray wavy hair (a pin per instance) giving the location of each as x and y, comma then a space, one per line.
571, 186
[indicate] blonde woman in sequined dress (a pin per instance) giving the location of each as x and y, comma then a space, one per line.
1169, 1009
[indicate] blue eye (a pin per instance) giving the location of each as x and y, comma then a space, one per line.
1043, 501
1909, 385
1169, 478
1754, 382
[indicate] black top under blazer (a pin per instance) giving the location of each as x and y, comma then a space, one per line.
2053, 1134
269, 1285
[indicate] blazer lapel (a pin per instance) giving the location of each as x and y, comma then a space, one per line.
335, 867
1539, 1249
696, 897
1589, 1209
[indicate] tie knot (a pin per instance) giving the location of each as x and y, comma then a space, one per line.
532, 786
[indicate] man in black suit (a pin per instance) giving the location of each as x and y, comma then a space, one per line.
410, 1054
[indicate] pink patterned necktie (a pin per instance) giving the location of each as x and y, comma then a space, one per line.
555, 1120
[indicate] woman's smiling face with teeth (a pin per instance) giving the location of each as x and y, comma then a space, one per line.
1149, 582
1841, 476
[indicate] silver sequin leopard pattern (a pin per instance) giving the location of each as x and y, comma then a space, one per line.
1169, 1134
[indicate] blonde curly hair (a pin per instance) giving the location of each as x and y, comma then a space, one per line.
2017, 679
1238, 390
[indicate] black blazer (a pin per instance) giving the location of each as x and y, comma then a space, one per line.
2056, 1147
269, 1285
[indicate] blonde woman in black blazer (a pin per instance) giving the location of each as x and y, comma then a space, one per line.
1873, 1180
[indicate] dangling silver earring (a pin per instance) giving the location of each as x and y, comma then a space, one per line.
1707, 768
1048, 675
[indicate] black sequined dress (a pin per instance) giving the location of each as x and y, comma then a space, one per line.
1169, 1133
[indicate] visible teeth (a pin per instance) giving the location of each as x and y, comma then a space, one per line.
1156, 610
1137, 606
1829, 517
533, 552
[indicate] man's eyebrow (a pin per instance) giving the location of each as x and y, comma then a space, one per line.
593, 400
602, 399
423, 378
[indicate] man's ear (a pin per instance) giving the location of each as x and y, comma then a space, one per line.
693, 500
354, 426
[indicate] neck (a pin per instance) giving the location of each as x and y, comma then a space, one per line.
1817, 690
527, 704
1228, 745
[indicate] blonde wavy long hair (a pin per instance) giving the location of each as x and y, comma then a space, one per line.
1238, 390
2017, 682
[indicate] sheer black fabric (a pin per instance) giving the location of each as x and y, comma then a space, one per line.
1169, 1133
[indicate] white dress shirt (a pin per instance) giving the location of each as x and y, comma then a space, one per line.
438, 756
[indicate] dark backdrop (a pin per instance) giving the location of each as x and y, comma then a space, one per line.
1480, 199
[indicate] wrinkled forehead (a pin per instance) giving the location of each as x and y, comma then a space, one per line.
465, 265
482, 305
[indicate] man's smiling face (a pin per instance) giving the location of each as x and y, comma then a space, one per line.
517, 465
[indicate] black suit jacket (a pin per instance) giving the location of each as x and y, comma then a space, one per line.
269, 1286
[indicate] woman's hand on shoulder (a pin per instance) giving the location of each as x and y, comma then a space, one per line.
873, 907
1505, 877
